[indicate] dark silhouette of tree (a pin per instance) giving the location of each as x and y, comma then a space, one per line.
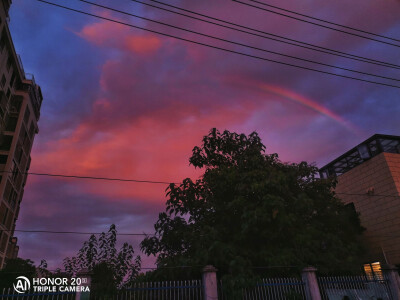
111, 269
250, 210
16, 267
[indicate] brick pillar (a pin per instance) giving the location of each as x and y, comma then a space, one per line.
85, 276
210, 284
311, 284
391, 274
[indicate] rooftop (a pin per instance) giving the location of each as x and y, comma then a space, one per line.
371, 147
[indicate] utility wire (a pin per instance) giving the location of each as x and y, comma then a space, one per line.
325, 21
77, 232
152, 234
157, 182
92, 177
274, 38
316, 24
141, 268
237, 43
219, 48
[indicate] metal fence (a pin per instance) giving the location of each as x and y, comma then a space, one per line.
353, 288
10, 293
165, 290
272, 289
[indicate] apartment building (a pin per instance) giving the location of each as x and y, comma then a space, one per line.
369, 178
20, 102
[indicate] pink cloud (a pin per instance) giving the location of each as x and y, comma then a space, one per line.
143, 44
152, 147
113, 35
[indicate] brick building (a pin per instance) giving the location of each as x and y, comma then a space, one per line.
369, 178
20, 102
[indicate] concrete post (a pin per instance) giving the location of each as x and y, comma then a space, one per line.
85, 276
391, 274
310, 283
210, 284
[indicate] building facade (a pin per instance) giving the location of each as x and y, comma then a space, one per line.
20, 102
369, 178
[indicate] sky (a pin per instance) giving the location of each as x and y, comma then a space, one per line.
122, 102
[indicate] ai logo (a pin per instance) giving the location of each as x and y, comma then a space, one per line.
23, 285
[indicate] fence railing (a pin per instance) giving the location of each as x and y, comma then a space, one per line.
165, 290
353, 287
308, 287
10, 293
271, 289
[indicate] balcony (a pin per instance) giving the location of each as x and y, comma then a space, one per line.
371, 147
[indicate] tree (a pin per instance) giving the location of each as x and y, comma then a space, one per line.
16, 267
111, 269
250, 210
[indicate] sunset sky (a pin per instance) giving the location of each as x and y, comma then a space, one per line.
121, 102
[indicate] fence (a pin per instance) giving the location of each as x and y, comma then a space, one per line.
354, 287
166, 290
10, 293
309, 287
272, 289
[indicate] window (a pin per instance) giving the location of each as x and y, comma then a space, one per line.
16, 103
13, 79
31, 130
14, 171
3, 99
3, 241
27, 144
7, 190
11, 123
9, 63
4, 218
27, 114
23, 160
3, 41
364, 152
13, 198
373, 271
3, 159
5, 142
18, 153
3, 81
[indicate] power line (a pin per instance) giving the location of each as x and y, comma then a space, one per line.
92, 177
141, 268
77, 232
285, 39
237, 43
153, 234
325, 21
157, 182
220, 48
316, 24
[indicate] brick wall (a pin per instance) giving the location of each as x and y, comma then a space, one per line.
379, 210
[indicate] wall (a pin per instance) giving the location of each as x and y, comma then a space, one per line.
380, 208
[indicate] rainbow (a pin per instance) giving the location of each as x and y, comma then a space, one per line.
311, 104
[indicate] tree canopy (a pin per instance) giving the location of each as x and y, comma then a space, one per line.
249, 210
16, 267
111, 269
